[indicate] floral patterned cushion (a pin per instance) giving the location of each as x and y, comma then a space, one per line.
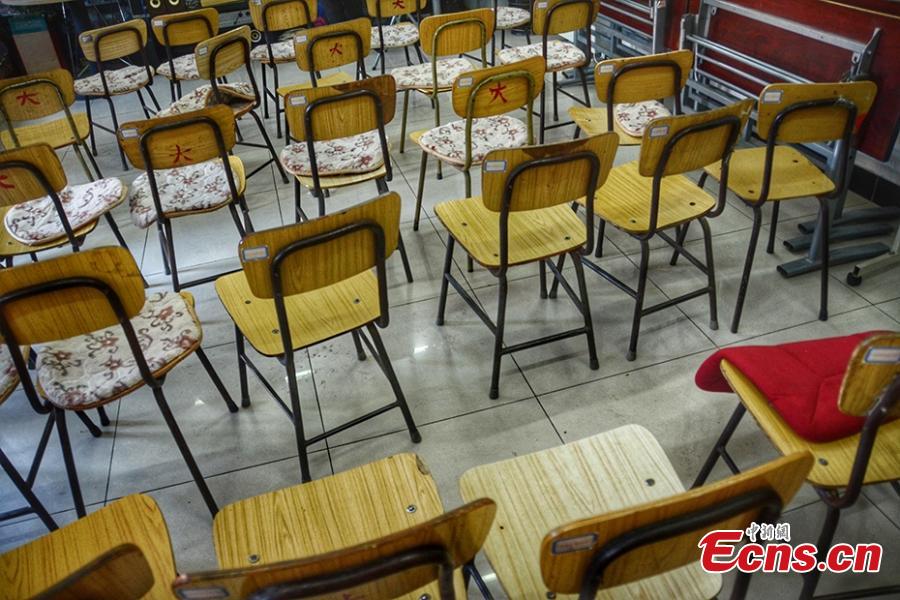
182, 189
343, 156
120, 81
419, 76
632, 117
87, 369
237, 93
9, 378
37, 222
185, 68
281, 52
560, 55
449, 141
510, 17
396, 36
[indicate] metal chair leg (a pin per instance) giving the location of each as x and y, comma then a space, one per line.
153, 97
403, 121
421, 190
276, 102
403, 256
675, 253
104, 418
115, 121
297, 417
265, 135
357, 343
445, 282
584, 87
710, 274
555, 98
87, 110
601, 236
542, 282
811, 579
498, 337
470, 573
385, 363
770, 246
170, 252
543, 102
27, 493
748, 266
242, 367
639, 301
162, 247
593, 363
59, 416
265, 92
824, 226
719, 448
232, 407
91, 426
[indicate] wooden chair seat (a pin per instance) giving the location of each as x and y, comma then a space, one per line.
533, 234
593, 122
793, 175
314, 316
328, 80
34, 567
56, 133
10, 246
625, 200
329, 514
338, 181
884, 464
119, 81
538, 492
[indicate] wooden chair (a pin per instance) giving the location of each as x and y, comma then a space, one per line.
607, 517
449, 34
378, 531
71, 305
40, 96
794, 114
217, 58
341, 140
396, 33
118, 552
273, 18
309, 282
646, 197
187, 28
41, 211
557, 17
506, 18
869, 391
484, 99
188, 170
114, 43
522, 218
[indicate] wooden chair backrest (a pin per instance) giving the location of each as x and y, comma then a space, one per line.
696, 149
232, 50
172, 145
118, 41
185, 28
119, 574
64, 313
333, 46
456, 33
566, 552
645, 78
393, 8
548, 185
577, 14
36, 96
808, 125
326, 263
341, 118
460, 533
18, 185
873, 366
512, 86
281, 15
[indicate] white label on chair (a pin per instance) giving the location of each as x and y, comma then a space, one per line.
494, 166
773, 97
542, 5
131, 132
300, 39
87, 38
659, 131
298, 100
607, 68
202, 593
579, 543
158, 22
255, 253
464, 82
257, 2
202, 50
882, 356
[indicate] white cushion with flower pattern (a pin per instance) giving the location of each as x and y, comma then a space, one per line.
9, 378
87, 369
560, 55
632, 117
510, 17
342, 156
120, 81
491, 133
281, 52
183, 189
396, 36
185, 68
36, 221
420, 76
200, 98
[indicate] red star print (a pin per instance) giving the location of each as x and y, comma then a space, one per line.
336, 49
27, 97
180, 154
4, 185
399, 4
497, 92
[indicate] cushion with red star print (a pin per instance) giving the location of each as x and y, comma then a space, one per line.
235, 93
88, 369
37, 222
342, 156
510, 17
633, 117
120, 81
492, 133
281, 52
420, 76
560, 55
185, 68
396, 36
9, 378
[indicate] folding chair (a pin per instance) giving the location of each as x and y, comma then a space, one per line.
187, 28
521, 218
558, 17
77, 309
607, 517
188, 170
397, 33
836, 398
340, 140
484, 99
643, 198
306, 283
507, 18
788, 113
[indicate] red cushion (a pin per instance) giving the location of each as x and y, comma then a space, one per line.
801, 380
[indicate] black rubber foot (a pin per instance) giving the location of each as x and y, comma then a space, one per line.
853, 279
630, 355
494, 394
245, 402
415, 436
714, 324
439, 322
594, 364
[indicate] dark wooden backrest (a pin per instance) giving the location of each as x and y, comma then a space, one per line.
873, 366
36, 96
509, 87
281, 15
185, 28
641, 78
231, 51
116, 41
20, 183
119, 574
572, 16
332, 46
456, 33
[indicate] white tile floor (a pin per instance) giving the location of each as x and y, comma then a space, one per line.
548, 395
